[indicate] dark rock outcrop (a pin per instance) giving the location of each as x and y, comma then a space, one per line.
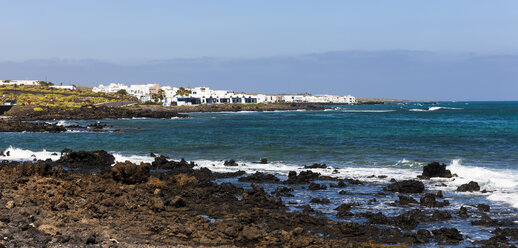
302, 178
130, 173
483, 207
429, 200
320, 201
230, 163
316, 186
405, 200
447, 236
259, 177
86, 160
406, 186
315, 166
19, 126
469, 187
435, 169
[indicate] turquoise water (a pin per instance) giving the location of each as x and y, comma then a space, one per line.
480, 133
477, 140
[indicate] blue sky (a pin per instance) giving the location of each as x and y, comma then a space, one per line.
137, 33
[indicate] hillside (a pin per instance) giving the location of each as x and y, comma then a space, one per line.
40, 96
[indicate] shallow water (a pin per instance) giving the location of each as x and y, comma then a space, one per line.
478, 140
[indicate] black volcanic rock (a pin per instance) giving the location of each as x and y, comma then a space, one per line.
429, 201
316, 186
302, 178
259, 177
86, 160
483, 207
447, 236
315, 166
471, 187
406, 186
406, 200
435, 169
230, 163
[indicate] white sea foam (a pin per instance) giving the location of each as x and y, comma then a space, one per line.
17, 154
433, 109
502, 184
367, 110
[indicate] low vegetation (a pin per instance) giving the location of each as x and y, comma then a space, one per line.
44, 95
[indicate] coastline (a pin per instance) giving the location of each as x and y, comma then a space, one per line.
80, 199
29, 113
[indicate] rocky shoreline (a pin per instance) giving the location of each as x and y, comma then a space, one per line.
88, 113
27, 113
81, 200
245, 107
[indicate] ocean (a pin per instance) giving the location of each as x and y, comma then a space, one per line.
477, 140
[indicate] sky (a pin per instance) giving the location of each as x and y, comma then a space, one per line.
393, 49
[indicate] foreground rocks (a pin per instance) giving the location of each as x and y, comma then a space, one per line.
170, 203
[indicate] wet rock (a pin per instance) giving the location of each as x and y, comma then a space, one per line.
303, 177
283, 191
375, 218
340, 184
263, 161
439, 194
353, 181
410, 219
320, 201
316, 186
163, 163
429, 200
483, 207
152, 155
487, 221
352, 229
422, 236
257, 197
508, 232
230, 163
447, 236
315, 166
463, 212
342, 192
441, 215
406, 200
495, 241
406, 186
259, 177
130, 173
344, 210
469, 187
86, 160
435, 169
371, 201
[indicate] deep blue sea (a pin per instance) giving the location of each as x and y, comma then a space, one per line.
477, 140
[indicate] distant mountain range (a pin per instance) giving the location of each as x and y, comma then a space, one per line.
395, 74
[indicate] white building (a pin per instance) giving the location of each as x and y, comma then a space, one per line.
111, 88
20, 82
143, 92
64, 87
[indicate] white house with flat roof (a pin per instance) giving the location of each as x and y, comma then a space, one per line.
111, 88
